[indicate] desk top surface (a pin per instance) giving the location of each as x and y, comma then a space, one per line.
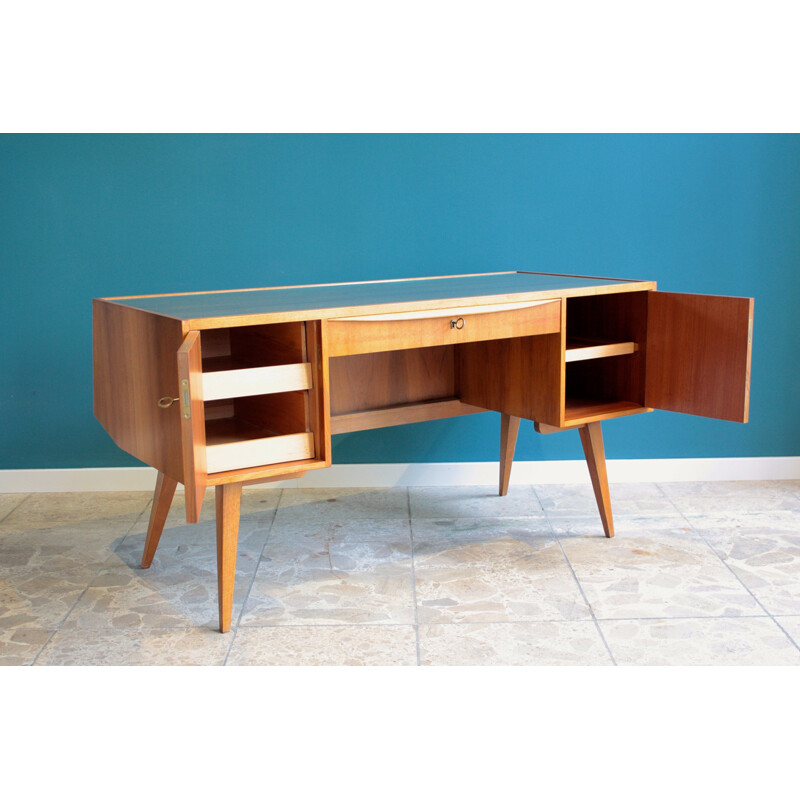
294, 300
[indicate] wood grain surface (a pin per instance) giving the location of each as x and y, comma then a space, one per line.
351, 336
134, 360
698, 354
193, 427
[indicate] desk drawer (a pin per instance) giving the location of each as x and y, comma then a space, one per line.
402, 331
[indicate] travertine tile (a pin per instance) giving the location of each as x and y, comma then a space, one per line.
473, 501
501, 580
300, 582
320, 506
257, 508
18, 648
31, 597
789, 486
512, 644
756, 489
196, 647
657, 574
431, 535
767, 563
731, 497
638, 499
180, 592
48, 552
8, 502
699, 642
110, 511
177, 536
320, 531
624, 526
743, 523
335, 584
70, 545
325, 645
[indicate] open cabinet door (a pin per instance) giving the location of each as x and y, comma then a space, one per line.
193, 426
698, 354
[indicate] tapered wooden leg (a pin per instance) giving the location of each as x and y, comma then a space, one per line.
509, 428
592, 441
162, 499
229, 497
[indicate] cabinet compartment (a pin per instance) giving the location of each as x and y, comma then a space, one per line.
394, 387
253, 346
605, 356
257, 404
258, 389
255, 431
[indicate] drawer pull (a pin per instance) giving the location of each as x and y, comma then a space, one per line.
458, 324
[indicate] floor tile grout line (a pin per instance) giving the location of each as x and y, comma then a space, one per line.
99, 569
413, 576
733, 572
669, 500
583, 593
14, 508
532, 621
788, 635
235, 628
538, 499
41, 649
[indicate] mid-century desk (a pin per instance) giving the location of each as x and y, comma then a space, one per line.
234, 387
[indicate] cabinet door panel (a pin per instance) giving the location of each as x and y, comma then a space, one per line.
193, 425
698, 354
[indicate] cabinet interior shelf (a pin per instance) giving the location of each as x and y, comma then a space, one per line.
582, 349
580, 410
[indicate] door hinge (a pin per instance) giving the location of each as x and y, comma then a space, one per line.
186, 405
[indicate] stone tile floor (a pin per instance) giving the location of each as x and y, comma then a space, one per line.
698, 574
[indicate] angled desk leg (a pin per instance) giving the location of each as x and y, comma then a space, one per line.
592, 441
509, 428
229, 498
162, 499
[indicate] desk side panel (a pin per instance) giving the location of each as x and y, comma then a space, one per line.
135, 364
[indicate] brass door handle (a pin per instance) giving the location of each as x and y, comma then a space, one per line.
166, 402
458, 324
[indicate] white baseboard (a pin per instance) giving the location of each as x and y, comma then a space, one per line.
129, 479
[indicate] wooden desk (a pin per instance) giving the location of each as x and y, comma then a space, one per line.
227, 388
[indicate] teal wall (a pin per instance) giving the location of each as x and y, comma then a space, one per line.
85, 216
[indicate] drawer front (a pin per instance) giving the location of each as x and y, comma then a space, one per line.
405, 330
255, 381
259, 452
